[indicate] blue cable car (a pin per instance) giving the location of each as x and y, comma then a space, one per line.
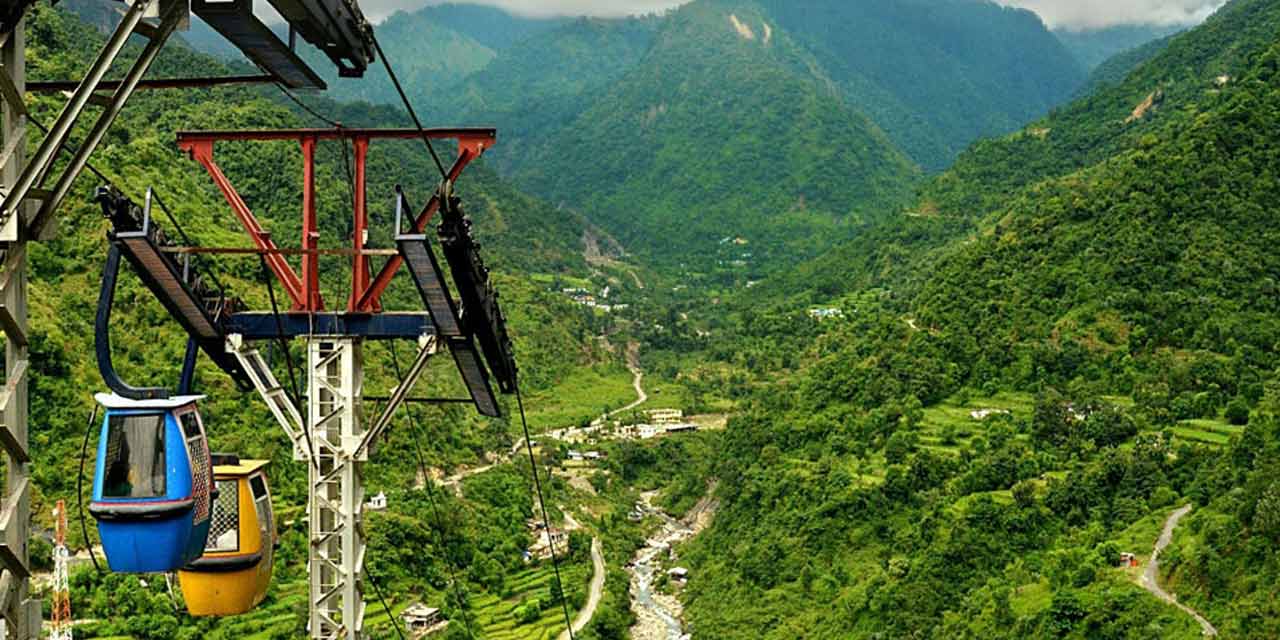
152, 483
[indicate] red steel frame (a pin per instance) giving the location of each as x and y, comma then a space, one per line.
304, 290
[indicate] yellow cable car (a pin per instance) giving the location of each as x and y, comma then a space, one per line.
232, 576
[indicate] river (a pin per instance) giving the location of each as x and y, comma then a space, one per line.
659, 616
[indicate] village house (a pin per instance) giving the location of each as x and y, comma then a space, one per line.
648, 431
421, 620
983, 414
377, 503
546, 541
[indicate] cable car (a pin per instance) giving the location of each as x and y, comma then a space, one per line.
232, 576
152, 483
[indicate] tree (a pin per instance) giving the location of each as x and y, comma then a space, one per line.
1266, 517
1238, 412
1024, 494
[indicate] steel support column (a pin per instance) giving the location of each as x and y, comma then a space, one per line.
20, 613
337, 545
310, 229
360, 227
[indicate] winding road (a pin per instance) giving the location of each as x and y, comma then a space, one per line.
594, 595
1151, 575
641, 396
633, 363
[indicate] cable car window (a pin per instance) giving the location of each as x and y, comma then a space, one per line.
134, 466
266, 528
198, 453
259, 487
190, 425
224, 530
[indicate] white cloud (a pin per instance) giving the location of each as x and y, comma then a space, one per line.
1076, 14
1094, 14
379, 9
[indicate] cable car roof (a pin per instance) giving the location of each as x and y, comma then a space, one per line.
113, 401
245, 468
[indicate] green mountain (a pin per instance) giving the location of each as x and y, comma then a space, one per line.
1093, 47
935, 75
609, 117
494, 28
540, 84
1060, 346
719, 130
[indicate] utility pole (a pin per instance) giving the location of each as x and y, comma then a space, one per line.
61, 610
21, 614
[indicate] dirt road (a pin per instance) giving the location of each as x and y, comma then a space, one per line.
637, 382
1151, 575
594, 595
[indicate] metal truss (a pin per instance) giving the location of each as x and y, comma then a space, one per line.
19, 613
38, 182
335, 372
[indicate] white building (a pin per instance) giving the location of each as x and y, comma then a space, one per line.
421, 620
665, 416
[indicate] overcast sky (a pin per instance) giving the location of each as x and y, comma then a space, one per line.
1080, 14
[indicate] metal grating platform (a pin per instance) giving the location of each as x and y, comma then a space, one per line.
427, 275
236, 22
201, 310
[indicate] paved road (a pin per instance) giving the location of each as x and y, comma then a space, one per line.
593, 597
1151, 575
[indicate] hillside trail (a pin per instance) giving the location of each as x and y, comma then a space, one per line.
637, 381
1151, 575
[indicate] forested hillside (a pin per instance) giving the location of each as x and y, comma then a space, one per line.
643, 121
714, 133
1094, 47
1063, 342
935, 75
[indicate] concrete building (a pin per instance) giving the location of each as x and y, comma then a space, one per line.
421, 620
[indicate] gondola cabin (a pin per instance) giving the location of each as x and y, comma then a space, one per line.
232, 576
152, 483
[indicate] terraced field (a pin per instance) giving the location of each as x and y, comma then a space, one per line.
497, 616
1213, 432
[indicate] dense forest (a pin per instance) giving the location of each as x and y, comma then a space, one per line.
1096, 288
786, 126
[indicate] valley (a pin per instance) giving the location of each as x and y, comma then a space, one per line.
893, 319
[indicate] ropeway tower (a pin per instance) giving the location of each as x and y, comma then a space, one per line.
331, 433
